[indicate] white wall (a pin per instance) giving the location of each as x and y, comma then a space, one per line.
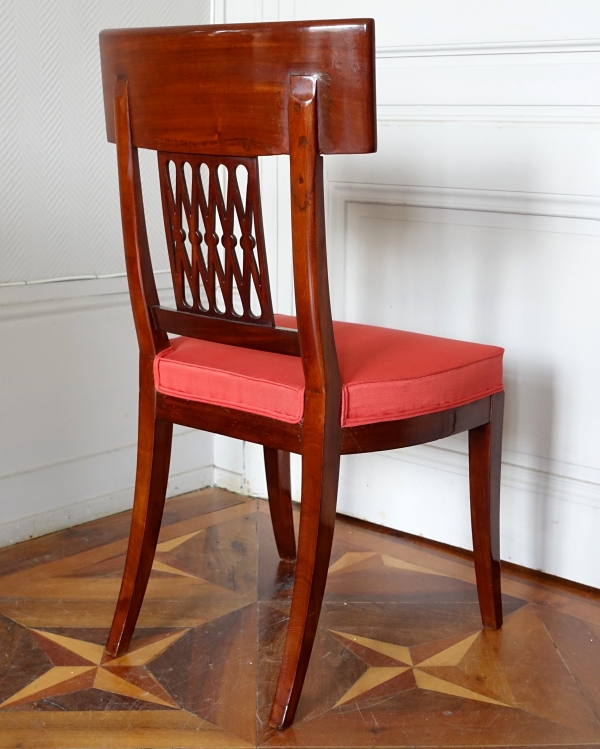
482, 206
68, 367
478, 218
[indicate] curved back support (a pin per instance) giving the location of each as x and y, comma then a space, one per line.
224, 90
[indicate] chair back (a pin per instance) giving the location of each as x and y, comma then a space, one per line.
210, 100
223, 90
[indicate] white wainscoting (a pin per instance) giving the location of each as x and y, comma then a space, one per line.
491, 274
478, 218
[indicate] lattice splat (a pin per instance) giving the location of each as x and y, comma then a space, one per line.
215, 236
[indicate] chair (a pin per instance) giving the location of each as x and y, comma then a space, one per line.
210, 100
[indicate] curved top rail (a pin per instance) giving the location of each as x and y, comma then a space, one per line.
224, 89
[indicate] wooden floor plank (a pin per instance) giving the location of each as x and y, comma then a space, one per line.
125, 730
400, 657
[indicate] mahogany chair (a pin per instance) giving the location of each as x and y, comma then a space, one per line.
210, 100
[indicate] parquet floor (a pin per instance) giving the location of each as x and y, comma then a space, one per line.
400, 657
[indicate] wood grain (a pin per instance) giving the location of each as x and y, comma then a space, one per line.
244, 71
322, 433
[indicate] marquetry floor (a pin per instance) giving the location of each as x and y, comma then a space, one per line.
400, 657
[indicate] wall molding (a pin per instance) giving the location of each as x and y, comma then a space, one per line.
217, 11
547, 483
545, 205
553, 46
475, 81
68, 296
490, 114
554, 205
58, 307
52, 486
15, 292
96, 507
550, 481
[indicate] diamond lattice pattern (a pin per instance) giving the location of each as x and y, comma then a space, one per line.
213, 224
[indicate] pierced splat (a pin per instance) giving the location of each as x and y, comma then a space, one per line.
215, 237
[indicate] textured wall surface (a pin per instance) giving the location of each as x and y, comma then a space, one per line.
58, 203
68, 372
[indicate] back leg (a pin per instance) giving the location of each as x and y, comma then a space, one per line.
153, 458
485, 456
277, 466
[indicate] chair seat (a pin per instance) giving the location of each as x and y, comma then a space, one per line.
386, 374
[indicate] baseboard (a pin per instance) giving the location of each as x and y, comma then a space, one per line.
230, 480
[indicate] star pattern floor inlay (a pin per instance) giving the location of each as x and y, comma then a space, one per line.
400, 671
400, 658
81, 665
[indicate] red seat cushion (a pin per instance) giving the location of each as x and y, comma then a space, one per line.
386, 374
